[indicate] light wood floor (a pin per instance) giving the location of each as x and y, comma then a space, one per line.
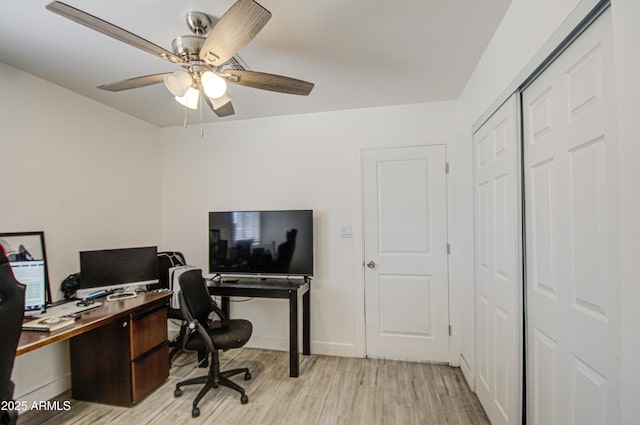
329, 391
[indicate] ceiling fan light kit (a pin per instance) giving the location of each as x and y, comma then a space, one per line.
207, 57
214, 86
190, 98
178, 82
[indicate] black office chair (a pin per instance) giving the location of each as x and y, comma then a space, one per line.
11, 316
212, 336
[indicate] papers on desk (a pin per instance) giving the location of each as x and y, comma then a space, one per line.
67, 309
48, 324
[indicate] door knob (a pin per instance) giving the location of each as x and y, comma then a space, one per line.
371, 264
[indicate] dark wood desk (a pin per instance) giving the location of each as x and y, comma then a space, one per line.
119, 350
274, 288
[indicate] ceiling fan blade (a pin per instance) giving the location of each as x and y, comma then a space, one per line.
134, 83
113, 31
235, 29
271, 82
223, 110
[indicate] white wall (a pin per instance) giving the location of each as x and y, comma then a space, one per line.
85, 174
528, 33
296, 162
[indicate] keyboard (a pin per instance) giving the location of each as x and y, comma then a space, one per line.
66, 309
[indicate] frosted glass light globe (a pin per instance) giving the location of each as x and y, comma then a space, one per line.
214, 86
190, 98
178, 82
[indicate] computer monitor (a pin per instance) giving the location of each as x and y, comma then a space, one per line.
117, 268
275, 242
28, 259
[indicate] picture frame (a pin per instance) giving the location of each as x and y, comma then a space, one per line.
25, 247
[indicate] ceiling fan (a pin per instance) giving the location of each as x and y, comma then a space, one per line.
208, 61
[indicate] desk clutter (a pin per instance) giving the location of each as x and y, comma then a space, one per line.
68, 308
48, 324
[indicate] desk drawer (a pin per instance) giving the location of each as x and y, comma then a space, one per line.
148, 330
149, 371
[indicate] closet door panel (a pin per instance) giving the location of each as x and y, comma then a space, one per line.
570, 223
498, 266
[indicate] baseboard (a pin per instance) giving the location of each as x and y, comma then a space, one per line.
268, 343
467, 371
334, 349
47, 392
322, 348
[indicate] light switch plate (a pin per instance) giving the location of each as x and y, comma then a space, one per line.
346, 231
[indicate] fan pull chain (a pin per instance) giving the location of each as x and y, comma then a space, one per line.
201, 126
185, 117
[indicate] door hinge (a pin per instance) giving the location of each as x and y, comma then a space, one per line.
450, 330
448, 248
446, 168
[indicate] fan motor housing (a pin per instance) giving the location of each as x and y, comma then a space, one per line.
187, 46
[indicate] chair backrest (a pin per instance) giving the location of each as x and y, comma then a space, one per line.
174, 276
11, 315
196, 295
166, 261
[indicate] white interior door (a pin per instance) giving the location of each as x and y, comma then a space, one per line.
571, 239
405, 230
498, 266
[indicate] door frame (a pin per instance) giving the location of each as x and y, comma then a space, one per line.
455, 230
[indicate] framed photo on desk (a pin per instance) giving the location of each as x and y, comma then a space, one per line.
28, 259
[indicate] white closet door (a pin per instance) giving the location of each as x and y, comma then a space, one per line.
571, 241
498, 266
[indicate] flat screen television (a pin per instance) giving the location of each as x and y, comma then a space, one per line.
28, 260
261, 242
117, 268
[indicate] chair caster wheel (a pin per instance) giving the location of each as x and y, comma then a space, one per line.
244, 399
247, 376
177, 392
195, 412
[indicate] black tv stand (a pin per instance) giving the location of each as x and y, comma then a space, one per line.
274, 288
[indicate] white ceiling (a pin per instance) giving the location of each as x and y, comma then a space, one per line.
359, 53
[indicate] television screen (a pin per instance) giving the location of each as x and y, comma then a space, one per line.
118, 267
261, 242
28, 259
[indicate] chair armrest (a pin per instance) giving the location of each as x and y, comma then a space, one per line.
218, 311
193, 325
